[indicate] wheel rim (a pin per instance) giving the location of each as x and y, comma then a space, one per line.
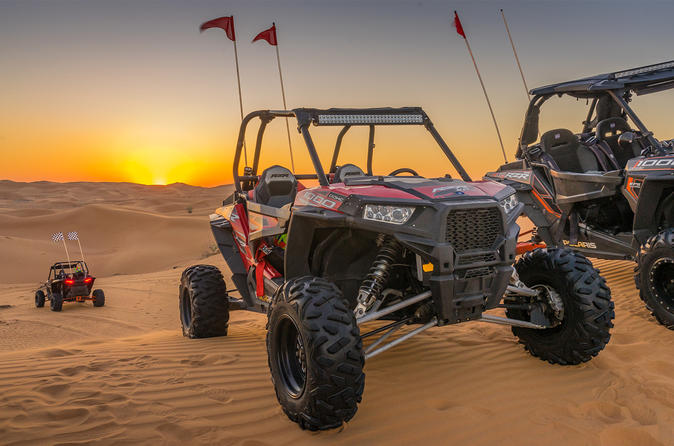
553, 301
552, 308
291, 357
186, 309
661, 279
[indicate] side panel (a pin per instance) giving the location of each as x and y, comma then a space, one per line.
224, 237
538, 195
302, 227
538, 199
648, 185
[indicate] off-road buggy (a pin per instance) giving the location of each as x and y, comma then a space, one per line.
68, 282
324, 262
607, 191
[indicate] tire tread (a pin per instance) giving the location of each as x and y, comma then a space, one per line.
209, 302
336, 355
591, 296
663, 239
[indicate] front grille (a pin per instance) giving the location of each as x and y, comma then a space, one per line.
477, 258
477, 272
473, 228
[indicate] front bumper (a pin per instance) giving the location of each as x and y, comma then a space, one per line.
465, 284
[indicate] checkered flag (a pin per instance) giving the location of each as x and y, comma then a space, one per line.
57, 237
72, 235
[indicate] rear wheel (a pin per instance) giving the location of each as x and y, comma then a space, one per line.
573, 297
655, 276
39, 298
99, 298
56, 302
203, 302
315, 354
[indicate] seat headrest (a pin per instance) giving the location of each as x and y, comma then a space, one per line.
276, 173
607, 108
277, 187
612, 127
558, 137
348, 171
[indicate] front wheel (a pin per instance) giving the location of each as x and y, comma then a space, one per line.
655, 276
56, 302
315, 354
573, 298
39, 298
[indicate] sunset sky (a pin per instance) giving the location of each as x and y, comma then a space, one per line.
129, 90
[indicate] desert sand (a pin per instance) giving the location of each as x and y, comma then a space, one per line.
124, 374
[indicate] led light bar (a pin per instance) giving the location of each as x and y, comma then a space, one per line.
644, 70
369, 119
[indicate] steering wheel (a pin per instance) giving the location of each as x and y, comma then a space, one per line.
403, 170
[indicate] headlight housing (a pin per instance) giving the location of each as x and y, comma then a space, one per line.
388, 214
509, 203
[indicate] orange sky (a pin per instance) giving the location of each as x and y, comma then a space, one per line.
130, 91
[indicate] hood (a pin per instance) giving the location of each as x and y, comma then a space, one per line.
436, 189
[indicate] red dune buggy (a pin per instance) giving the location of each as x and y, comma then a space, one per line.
68, 282
324, 262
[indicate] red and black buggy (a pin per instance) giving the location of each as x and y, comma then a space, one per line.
325, 262
68, 282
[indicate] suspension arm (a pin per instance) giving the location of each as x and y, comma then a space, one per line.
393, 308
372, 352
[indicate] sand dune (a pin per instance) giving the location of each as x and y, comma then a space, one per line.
123, 373
125, 228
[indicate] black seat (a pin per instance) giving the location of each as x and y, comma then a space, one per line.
347, 171
277, 187
567, 152
608, 131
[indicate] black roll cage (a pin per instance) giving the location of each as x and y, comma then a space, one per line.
63, 266
618, 85
621, 97
345, 117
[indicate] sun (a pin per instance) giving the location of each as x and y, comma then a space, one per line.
160, 167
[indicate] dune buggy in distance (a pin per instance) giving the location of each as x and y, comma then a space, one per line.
68, 282
607, 191
325, 261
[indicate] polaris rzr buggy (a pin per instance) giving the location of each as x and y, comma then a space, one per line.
607, 191
68, 282
325, 261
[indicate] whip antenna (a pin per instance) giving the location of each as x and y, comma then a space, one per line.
227, 25
517, 59
269, 35
58, 237
460, 31
73, 236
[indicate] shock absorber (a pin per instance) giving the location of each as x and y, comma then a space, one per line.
372, 286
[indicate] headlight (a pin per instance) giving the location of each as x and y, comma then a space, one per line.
509, 203
389, 214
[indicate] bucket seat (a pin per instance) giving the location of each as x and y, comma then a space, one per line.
567, 152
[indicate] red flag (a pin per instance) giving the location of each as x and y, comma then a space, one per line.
268, 34
225, 23
458, 26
